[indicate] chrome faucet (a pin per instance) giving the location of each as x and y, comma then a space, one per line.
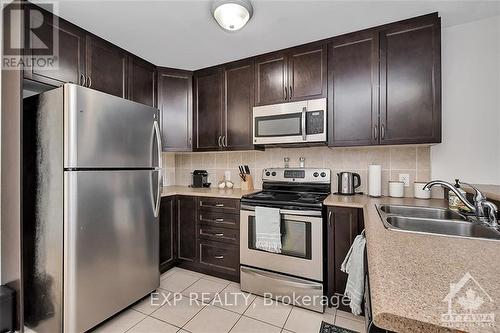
486, 211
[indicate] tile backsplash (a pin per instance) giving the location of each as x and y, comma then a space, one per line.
412, 160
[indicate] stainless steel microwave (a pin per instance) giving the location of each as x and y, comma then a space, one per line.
295, 122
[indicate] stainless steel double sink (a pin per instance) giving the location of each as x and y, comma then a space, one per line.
432, 220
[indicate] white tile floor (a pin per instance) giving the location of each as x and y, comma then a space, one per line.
205, 304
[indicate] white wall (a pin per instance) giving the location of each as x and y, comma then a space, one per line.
471, 104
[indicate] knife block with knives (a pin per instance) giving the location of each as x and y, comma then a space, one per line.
246, 178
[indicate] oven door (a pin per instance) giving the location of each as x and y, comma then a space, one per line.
296, 122
301, 239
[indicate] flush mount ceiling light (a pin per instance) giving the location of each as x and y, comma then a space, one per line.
232, 15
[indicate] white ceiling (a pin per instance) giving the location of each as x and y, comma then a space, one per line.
183, 34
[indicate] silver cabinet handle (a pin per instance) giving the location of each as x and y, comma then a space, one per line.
82, 79
286, 93
219, 235
219, 205
330, 219
224, 140
219, 220
375, 132
89, 81
218, 141
382, 132
219, 257
304, 109
291, 92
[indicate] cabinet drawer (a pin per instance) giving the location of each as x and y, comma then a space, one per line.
219, 234
220, 205
220, 256
217, 219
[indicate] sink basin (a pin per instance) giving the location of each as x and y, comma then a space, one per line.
443, 227
432, 220
422, 212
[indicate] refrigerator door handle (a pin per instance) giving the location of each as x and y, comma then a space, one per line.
159, 169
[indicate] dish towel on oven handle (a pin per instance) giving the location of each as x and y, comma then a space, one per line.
268, 229
354, 266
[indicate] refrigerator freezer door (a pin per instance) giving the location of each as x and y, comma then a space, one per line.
111, 254
104, 131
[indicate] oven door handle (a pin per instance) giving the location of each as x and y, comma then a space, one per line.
288, 211
288, 281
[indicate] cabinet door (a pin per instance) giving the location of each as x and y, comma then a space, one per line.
70, 51
307, 72
344, 224
175, 104
208, 109
353, 91
106, 67
167, 233
238, 84
410, 82
186, 228
271, 79
141, 81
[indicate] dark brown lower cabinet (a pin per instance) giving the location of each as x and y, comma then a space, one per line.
168, 239
343, 225
208, 236
187, 228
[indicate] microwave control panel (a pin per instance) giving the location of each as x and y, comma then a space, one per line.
315, 122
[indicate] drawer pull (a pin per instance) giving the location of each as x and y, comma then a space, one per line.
219, 235
219, 257
219, 205
219, 220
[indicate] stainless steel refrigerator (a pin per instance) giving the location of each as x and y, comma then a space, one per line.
91, 197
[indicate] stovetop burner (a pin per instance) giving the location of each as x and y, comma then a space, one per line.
283, 198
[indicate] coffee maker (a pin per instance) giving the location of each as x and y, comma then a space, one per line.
200, 178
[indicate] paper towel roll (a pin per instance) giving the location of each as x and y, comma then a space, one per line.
374, 180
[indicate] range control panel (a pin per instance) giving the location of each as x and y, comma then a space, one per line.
298, 175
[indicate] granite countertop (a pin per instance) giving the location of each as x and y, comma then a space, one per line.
410, 274
234, 193
490, 191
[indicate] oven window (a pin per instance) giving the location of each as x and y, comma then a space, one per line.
295, 237
279, 125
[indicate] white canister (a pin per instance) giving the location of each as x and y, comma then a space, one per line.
396, 189
419, 191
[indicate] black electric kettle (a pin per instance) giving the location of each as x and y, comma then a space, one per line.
348, 182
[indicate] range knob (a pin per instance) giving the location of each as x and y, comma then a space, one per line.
273, 173
323, 174
268, 173
315, 174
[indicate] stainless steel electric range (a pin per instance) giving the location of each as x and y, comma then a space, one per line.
295, 274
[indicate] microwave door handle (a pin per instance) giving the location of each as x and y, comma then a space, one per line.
304, 110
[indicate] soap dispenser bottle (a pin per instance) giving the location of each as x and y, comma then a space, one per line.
454, 201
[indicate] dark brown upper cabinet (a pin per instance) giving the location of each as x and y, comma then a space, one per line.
175, 97
70, 51
208, 109
307, 72
106, 67
141, 81
296, 74
410, 82
239, 98
271, 78
353, 90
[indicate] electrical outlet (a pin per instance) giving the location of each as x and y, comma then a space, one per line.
405, 178
227, 175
